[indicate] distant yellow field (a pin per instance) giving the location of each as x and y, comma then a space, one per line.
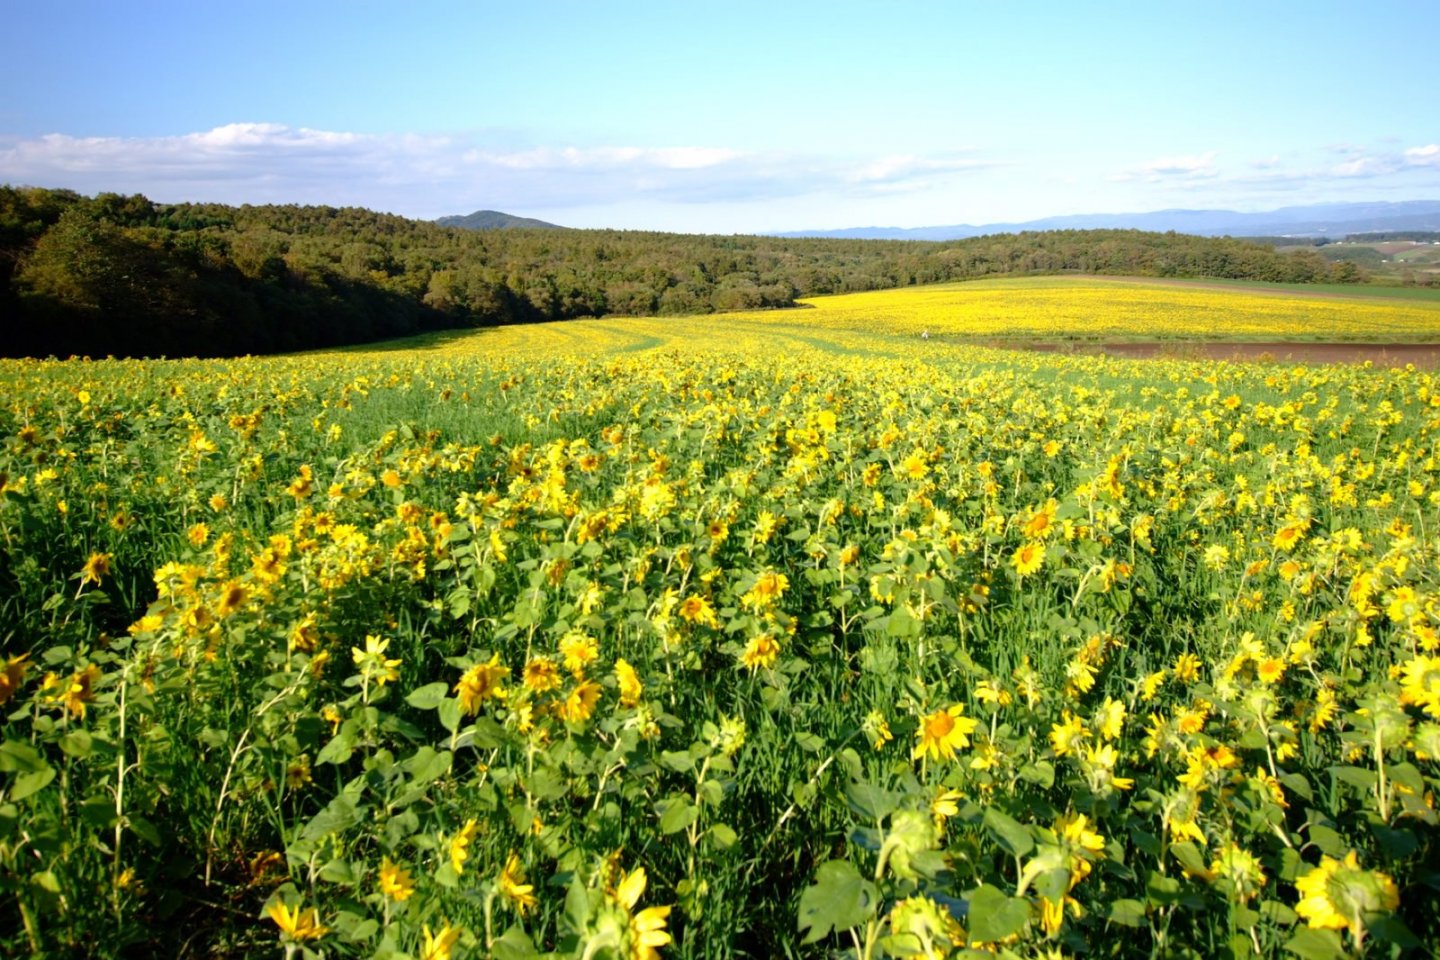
987, 311
1094, 308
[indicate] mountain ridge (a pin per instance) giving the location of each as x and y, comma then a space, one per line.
1310, 220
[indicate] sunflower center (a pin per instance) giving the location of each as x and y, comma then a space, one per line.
939, 725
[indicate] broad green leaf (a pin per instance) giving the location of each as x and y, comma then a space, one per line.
1012, 835
515, 944
427, 697
1127, 913
994, 915
1189, 857
27, 784
871, 802
723, 835
77, 744
17, 756
809, 742
1311, 944
838, 900
678, 814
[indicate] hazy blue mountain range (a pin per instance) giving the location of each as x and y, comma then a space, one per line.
495, 220
1315, 220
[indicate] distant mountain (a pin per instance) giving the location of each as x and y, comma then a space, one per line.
495, 220
1316, 220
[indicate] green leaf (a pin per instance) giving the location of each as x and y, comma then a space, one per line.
681, 761
77, 744
340, 871
1298, 785
428, 763
995, 915
1390, 929
839, 900
1041, 773
428, 697
338, 750
17, 756
1127, 913
1355, 776
338, 816
678, 814
1329, 841
1012, 835
1161, 890
712, 792
1311, 944
29, 783
723, 835
515, 944
809, 742
871, 802
1189, 856
145, 830
449, 714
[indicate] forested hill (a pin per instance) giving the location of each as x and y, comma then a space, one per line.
122, 275
495, 220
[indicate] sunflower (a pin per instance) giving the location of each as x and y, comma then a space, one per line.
1420, 684
646, 928
578, 650
437, 946
579, 706
540, 675
943, 732
395, 881
1339, 895
12, 674
629, 683
460, 845
514, 887
296, 924
482, 682
1028, 558
697, 609
96, 568
760, 652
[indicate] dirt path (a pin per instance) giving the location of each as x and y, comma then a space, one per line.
1425, 355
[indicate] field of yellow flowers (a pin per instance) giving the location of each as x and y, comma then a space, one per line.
708, 638
1099, 308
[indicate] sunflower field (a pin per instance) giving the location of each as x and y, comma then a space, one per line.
620, 639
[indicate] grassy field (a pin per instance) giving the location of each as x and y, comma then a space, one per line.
780, 634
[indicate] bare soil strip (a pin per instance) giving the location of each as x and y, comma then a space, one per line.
1425, 355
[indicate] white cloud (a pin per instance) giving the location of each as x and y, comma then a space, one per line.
1426, 156
1365, 167
905, 167
432, 175
1182, 167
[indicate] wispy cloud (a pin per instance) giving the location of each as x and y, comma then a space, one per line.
1426, 156
1333, 166
430, 175
1183, 167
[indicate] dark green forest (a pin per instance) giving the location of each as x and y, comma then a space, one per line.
120, 275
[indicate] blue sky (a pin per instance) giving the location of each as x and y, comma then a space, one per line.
725, 116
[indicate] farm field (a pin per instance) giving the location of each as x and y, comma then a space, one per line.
768, 634
1099, 308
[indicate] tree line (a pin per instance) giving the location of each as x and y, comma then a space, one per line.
121, 275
